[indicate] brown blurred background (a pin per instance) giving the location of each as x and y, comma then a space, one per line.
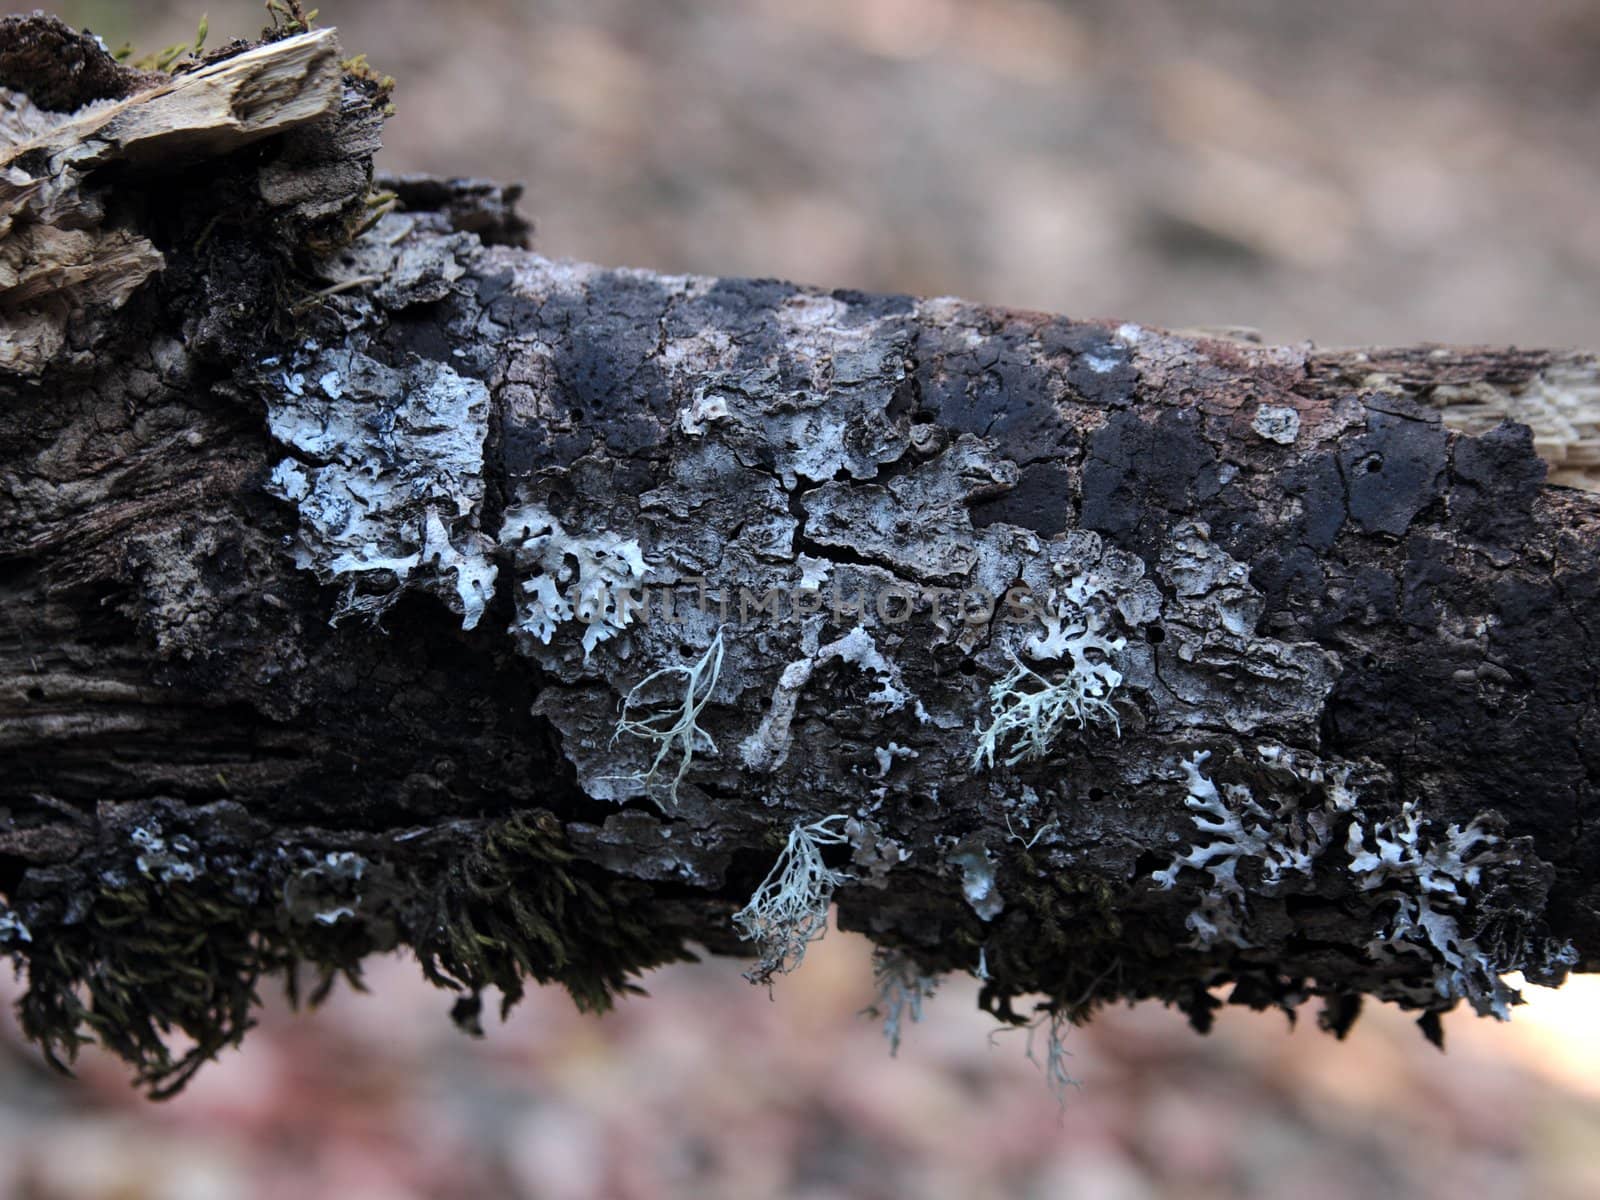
1366, 171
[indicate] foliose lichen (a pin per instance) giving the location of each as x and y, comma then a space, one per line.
1281, 841
1434, 878
387, 475
567, 577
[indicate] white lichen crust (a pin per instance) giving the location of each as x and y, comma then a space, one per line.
563, 577
387, 475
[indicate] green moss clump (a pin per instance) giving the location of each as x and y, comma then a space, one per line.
1062, 936
1071, 938
164, 969
522, 907
152, 959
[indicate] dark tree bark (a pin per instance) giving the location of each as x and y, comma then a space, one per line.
1103, 662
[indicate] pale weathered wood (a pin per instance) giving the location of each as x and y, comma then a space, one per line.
61, 258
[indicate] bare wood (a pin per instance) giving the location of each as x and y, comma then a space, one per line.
59, 258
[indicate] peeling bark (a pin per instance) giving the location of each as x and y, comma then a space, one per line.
1104, 662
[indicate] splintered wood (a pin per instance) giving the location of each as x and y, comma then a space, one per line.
63, 256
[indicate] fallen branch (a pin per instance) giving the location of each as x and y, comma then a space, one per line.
333, 559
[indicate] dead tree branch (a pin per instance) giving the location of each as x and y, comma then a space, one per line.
376, 586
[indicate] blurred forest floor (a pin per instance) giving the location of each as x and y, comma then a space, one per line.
1370, 171
709, 1091
1367, 171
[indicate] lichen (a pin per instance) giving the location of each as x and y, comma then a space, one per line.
789, 909
1277, 424
1052, 1026
567, 577
177, 862
978, 882
387, 477
1028, 711
903, 988
13, 929
676, 729
1435, 879
1242, 829
328, 889
766, 748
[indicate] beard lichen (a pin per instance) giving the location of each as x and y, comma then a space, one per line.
789, 910
677, 727
1028, 711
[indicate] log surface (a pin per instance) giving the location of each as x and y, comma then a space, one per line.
1100, 661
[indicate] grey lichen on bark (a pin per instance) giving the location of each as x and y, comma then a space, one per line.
394, 585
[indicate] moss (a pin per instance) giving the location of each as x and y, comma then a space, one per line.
1068, 942
359, 68
522, 907
150, 959
166, 973
1062, 936
289, 17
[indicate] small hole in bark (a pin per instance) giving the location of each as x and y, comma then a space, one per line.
968, 667
1374, 464
1149, 863
1097, 794
687, 650
1155, 635
36, 693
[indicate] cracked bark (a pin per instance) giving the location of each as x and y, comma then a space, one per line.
316, 554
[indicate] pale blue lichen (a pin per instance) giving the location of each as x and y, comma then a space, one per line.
592, 580
767, 747
12, 927
1435, 877
1029, 707
175, 860
327, 890
903, 988
978, 882
1053, 1026
1028, 710
789, 910
1286, 840
387, 478
674, 728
